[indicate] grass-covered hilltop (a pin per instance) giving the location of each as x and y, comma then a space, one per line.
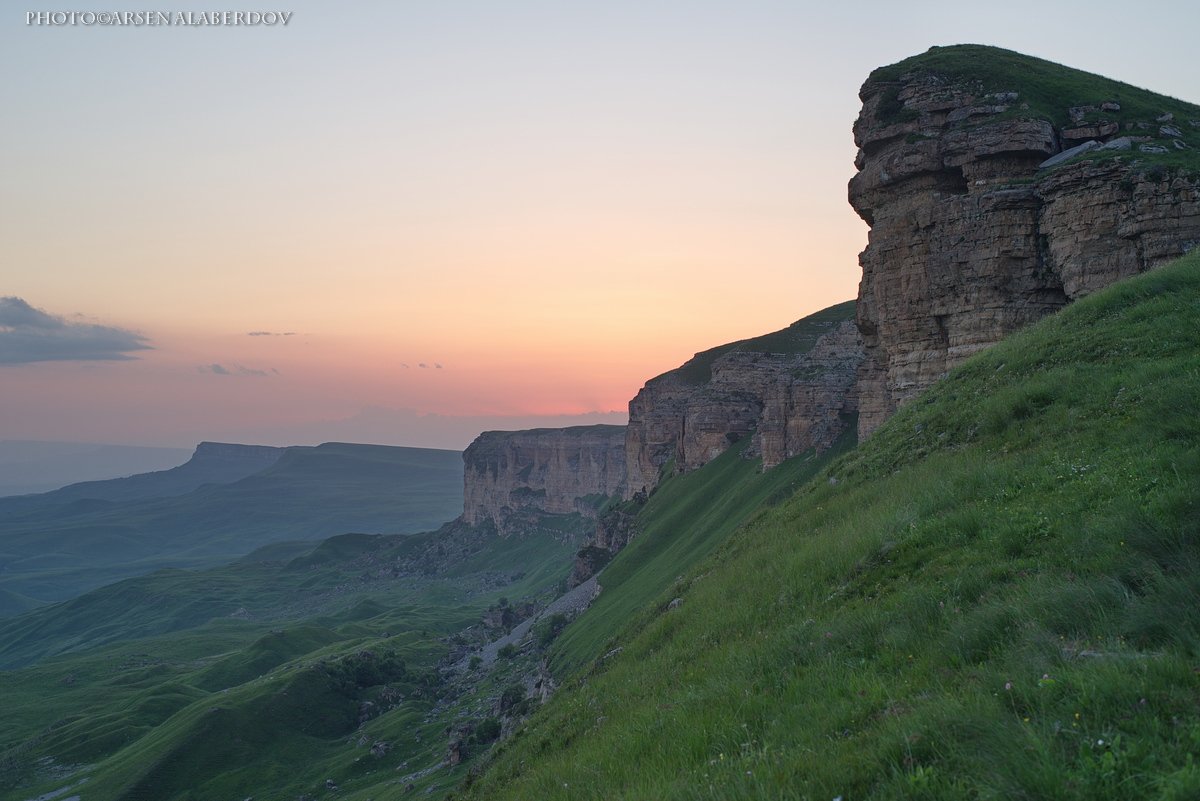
970, 570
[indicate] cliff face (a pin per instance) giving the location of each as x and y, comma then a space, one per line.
997, 187
791, 391
976, 232
259, 456
550, 470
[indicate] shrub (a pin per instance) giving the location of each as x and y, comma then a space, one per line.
548, 630
487, 731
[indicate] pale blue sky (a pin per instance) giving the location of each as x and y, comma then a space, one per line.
557, 200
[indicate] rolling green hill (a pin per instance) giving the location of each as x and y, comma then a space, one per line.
995, 596
261, 678
56, 546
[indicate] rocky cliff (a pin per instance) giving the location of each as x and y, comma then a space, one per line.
544, 470
792, 390
998, 188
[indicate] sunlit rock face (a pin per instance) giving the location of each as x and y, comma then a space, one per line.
977, 230
550, 470
790, 391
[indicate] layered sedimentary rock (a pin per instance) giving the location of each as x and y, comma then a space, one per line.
545, 470
989, 206
812, 406
791, 391
976, 232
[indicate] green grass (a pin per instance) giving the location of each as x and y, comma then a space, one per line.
1049, 88
996, 596
681, 523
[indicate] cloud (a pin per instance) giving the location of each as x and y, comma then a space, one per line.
28, 335
236, 369
271, 334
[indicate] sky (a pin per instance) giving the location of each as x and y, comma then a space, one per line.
405, 222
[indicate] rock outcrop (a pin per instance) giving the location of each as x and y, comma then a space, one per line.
977, 228
543, 470
614, 530
792, 391
997, 187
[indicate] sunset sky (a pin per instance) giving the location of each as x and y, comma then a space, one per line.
404, 221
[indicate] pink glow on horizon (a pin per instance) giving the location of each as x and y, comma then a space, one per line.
555, 201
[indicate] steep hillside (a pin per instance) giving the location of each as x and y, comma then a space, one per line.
56, 546
998, 188
995, 596
680, 524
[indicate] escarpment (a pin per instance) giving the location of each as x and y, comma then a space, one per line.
998, 188
543, 470
791, 391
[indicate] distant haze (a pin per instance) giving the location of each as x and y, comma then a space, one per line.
28, 467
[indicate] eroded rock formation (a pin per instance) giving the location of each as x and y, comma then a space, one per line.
975, 232
989, 206
546, 470
791, 391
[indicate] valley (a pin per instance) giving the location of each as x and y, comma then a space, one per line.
941, 541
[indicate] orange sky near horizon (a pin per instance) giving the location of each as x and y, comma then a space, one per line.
553, 201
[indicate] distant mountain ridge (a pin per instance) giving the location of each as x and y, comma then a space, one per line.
211, 463
224, 503
31, 466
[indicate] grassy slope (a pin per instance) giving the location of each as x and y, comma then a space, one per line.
682, 522
999, 597
309, 493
